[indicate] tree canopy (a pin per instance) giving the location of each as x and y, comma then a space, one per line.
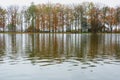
84, 17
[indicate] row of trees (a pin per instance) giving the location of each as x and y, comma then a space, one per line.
85, 17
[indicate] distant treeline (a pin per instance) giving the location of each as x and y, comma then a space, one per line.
84, 17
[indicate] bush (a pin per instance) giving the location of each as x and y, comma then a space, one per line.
11, 27
32, 29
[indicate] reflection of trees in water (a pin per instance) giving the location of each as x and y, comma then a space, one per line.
61, 46
94, 44
105, 45
43, 45
112, 43
13, 43
116, 46
12, 46
84, 46
69, 45
57, 46
2, 45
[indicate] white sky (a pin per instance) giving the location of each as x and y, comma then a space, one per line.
4, 3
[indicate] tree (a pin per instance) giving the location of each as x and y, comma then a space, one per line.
2, 18
81, 19
117, 17
104, 12
93, 14
111, 18
31, 12
12, 13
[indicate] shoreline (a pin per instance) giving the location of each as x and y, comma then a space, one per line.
59, 32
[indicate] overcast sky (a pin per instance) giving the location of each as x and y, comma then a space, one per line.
4, 3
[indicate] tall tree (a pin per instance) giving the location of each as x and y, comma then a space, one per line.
117, 17
12, 13
103, 15
111, 18
93, 14
2, 18
32, 15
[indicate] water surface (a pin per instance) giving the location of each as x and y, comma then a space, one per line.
59, 56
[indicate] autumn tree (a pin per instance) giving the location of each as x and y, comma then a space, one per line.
93, 14
60, 18
117, 17
104, 12
69, 18
12, 13
2, 18
111, 18
81, 19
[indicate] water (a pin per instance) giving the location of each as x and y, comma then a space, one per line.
59, 57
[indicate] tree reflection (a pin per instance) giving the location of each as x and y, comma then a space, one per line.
2, 45
84, 46
13, 42
94, 44
60, 47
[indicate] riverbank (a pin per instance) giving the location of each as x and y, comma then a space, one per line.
57, 32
